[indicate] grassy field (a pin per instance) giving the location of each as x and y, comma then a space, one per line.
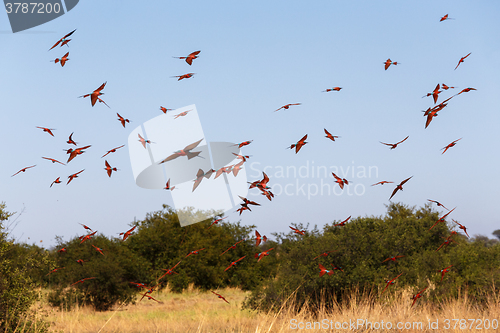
194, 311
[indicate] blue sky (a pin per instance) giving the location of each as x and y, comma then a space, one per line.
255, 57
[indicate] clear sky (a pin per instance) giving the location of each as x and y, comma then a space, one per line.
255, 57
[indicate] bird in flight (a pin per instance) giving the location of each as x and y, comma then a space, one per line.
86, 227
82, 280
297, 231
466, 90
194, 252
73, 176
23, 170
332, 89
73, 153
462, 60
324, 254
392, 258
445, 87
323, 271
184, 152
299, 144
340, 181
390, 282
127, 233
389, 62
190, 57
342, 224
438, 203
184, 76
70, 140
53, 160
216, 222
441, 219
330, 136
85, 237
143, 141
112, 150
169, 271
122, 120
182, 114
55, 270
444, 18
382, 183
98, 249
244, 143
220, 296
94, 96
262, 254
449, 146
109, 169
167, 186
48, 130
234, 263
199, 177
259, 238
62, 60
286, 106
417, 296
63, 40
461, 227
444, 271
434, 93
57, 181
232, 246
446, 242
165, 109
400, 186
394, 145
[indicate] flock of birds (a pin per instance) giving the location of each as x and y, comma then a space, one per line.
261, 185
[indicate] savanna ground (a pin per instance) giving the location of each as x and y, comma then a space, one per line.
195, 311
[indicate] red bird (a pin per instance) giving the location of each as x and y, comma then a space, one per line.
149, 291
109, 169
258, 238
82, 280
122, 120
23, 170
434, 93
382, 183
182, 114
70, 140
216, 221
400, 186
55, 270
143, 141
169, 271
53, 160
330, 136
194, 252
444, 271
86, 227
286, 106
417, 296
98, 249
332, 89
62, 60
262, 254
449, 146
444, 18
237, 168
244, 143
57, 181
340, 181
85, 237
466, 90
389, 62
73, 153
186, 151
394, 145
242, 157
260, 184
48, 130
220, 296
184, 76
190, 57
112, 150
462, 60
446, 242
165, 109
167, 186
139, 285
297, 231
63, 40
81, 261
232, 246
342, 224
323, 270
95, 94
461, 227
127, 233
438, 203
445, 87
199, 177
62, 250
299, 144
441, 219
339, 268
324, 254
234, 263
393, 258
248, 202
390, 282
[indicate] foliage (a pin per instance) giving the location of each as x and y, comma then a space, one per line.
362, 245
17, 289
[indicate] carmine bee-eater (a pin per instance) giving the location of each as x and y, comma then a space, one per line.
189, 59
64, 40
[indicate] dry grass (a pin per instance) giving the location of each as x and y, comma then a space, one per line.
194, 311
